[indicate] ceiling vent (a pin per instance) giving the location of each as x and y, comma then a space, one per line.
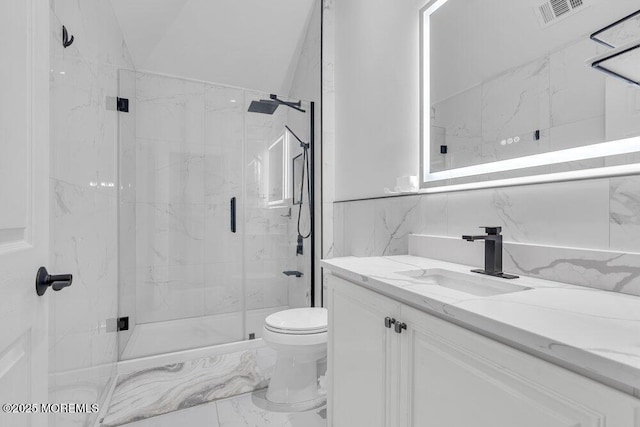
552, 11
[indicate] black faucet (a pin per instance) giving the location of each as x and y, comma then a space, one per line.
492, 252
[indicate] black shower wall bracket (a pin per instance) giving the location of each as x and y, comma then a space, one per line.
66, 41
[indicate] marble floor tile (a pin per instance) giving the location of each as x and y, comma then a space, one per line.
247, 410
161, 390
252, 410
198, 416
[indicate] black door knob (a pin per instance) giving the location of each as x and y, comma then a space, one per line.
44, 280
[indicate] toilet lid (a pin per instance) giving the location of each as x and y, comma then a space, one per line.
299, 320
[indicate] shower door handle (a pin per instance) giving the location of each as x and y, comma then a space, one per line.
233, 214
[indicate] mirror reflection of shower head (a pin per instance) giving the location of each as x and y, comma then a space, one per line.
269, 106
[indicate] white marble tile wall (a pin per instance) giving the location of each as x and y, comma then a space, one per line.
624, 217
170, 198
623, 110
329, 227
556, 94
224, 136
84, 158
577, 97
457, 122
307, 85
516, 103
594, 222
299, 288
382, 227
606, 270
269, 236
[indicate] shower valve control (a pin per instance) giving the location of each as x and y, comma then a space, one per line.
388, 321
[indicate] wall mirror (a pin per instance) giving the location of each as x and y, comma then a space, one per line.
518, 89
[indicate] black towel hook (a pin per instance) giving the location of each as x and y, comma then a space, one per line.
66, 41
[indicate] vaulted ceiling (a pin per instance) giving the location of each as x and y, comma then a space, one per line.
247, 43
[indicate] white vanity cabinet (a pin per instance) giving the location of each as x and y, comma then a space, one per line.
363, 354
437, 374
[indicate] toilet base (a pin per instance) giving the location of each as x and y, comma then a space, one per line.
294, 380
299, 337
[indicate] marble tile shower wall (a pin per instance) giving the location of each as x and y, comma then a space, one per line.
269, 234
299, 288
84, 147
598, 215
169, 198
193, 142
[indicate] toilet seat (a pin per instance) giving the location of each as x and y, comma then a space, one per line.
301, 341
298, 321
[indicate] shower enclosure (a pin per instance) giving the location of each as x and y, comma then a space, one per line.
207, 225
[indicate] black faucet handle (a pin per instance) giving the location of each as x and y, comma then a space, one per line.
492, 230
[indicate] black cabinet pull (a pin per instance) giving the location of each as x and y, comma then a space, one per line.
400, 326
233, 214
44, 280
388, 321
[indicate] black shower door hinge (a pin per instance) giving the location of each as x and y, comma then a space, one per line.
123, 105
123, 323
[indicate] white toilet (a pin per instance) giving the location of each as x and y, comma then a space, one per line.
299, 336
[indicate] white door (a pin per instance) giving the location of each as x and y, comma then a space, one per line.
362, 357
24, 201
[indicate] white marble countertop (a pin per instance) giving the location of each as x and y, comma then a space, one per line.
595, 333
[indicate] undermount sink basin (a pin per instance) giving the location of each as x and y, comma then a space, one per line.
482, 286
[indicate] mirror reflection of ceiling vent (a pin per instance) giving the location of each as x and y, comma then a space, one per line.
552, 11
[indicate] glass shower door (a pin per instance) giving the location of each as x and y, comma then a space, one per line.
223, 185
181, 148
187, 278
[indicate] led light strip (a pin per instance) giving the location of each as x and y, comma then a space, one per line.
604, 149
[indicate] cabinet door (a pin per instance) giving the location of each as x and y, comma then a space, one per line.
362, 355
452, 377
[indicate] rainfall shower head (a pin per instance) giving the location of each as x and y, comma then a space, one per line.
269, 106
264, 106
